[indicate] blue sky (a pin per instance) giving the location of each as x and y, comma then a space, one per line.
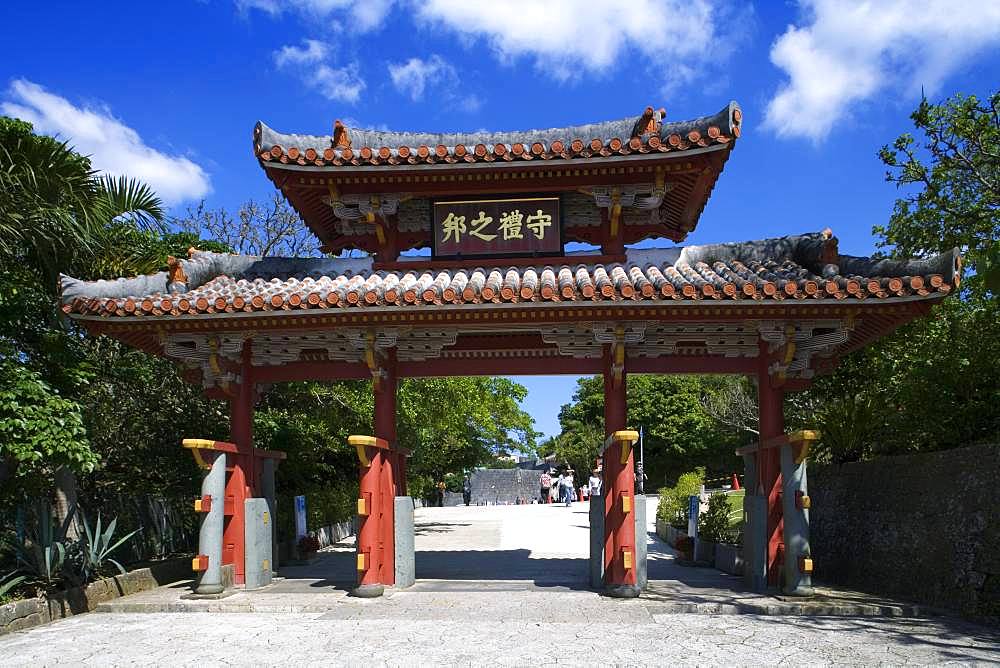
170, 92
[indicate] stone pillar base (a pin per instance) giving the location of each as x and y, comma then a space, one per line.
368, 591
622, 591
799, 592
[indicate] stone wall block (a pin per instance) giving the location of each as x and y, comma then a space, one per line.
923, 527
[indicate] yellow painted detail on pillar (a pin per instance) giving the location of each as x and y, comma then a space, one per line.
362, 455
199, 443
199, 563
803, 452
267, 518
361, 561
197, 505
627, 558
626, 503
362, 508
626, 451
267, 564
805, 564
357, 439
805, 503
804, 435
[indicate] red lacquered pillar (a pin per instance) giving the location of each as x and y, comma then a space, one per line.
370, 451
619, 489
385, 429
772, 425
242, 479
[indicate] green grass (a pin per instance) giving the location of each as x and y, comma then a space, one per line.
735, 500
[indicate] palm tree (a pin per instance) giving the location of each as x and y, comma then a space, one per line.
55, 208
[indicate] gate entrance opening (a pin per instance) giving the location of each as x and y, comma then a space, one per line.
501, 294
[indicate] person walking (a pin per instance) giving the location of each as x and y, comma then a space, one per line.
595, 484
559, 487
546, 483
568, 486
440, 493
467, 490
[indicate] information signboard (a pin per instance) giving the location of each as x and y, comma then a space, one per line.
300, 517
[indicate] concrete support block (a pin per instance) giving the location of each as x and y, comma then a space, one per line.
641, 542
755, 542
798, 556
597, 542
405, 565
267, 490
258, 529
213, 486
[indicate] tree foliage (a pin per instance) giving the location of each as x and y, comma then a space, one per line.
933, 383
678, 432
258, 228
952, 182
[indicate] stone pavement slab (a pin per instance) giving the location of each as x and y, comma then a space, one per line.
499, 585
507, 550
213, 639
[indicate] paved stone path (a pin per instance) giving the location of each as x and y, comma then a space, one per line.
500, 585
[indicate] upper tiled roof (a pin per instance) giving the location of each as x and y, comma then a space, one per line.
796, 268
357, 147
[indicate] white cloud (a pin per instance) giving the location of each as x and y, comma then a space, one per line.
364, 15
677, 40
313, 52
847, 52
311, 62
415, 75
567, 38
114, 148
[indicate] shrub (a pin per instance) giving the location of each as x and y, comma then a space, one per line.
673, 506
715, 524
308, 543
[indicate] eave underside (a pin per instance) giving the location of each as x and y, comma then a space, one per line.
802, 339
690, 179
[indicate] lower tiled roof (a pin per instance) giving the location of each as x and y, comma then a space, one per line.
805, 267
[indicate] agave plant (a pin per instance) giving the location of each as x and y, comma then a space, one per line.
95, 551
44, 557
10, 581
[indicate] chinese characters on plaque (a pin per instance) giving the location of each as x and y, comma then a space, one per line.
525, 226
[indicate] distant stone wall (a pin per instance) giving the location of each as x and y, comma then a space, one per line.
505, 486
924, 527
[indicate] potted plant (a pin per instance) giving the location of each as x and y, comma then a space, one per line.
308, 546
685, 546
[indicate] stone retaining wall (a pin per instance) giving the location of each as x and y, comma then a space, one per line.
925, 527
31, 612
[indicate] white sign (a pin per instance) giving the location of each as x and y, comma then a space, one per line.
300, 517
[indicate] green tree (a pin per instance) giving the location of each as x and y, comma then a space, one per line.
953, 185
932, 384
678, 432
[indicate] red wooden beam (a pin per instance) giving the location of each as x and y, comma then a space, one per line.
300, 371
500, 366
693, 364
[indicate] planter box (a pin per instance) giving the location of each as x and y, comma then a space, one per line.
729, 558
661, 530
672, 534
704, 551
36, 611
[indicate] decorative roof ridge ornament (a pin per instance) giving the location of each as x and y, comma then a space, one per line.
341, 138
649, 123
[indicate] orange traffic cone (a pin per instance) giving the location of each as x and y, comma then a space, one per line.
736, 483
